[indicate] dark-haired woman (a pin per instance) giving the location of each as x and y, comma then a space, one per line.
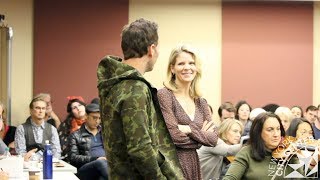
242, 114
255, 161
300, 128
74, 120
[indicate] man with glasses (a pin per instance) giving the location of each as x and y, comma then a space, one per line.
86, 147
31, 135
50, 116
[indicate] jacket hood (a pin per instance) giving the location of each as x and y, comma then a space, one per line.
111, 71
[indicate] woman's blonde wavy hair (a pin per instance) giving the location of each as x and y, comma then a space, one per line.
170, 79
225, 126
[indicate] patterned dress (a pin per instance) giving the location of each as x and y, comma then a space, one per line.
186, 145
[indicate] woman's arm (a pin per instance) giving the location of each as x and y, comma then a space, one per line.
179, 136
204, 135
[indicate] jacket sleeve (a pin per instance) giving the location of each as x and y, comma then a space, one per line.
221, 149
179, 138
136, 125
75, 157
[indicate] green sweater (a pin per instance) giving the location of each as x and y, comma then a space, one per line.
245, 167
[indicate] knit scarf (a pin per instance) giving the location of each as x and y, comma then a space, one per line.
76, 124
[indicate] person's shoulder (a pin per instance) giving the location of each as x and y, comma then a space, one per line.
75, 134
245, 150
131, 85
20, 126
164, 91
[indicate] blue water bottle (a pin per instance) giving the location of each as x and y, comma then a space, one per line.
47, 161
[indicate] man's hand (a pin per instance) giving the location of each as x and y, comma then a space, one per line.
55, 118
29, 154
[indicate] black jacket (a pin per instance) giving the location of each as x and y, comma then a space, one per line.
79, 143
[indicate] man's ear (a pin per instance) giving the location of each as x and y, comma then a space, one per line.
151, 50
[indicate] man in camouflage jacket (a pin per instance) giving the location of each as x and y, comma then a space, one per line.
137, 142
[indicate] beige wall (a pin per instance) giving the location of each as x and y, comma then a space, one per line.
19, 16
316, 53
194, 22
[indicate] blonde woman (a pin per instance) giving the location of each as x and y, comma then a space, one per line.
212, 159
285, 115
185, 112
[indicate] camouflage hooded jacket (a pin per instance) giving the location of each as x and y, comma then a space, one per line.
136, 139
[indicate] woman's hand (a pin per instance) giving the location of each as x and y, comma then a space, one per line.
185, 129
208, 126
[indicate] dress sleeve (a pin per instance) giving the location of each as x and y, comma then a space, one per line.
179, 138
208, 138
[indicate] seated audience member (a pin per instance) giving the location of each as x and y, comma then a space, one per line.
255, 112
316, 125
35, 131
253, 161
285, 115
226, 111
242, 114
3, 147
311, 114
6, 131
75, 118
213, 159
270, 107
86, 147
297, 111
51, 116
300, 128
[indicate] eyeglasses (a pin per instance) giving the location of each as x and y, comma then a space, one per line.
39, 108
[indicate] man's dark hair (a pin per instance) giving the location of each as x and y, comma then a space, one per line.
270, 107
228, 106
36, 99
311, 108
137, 37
